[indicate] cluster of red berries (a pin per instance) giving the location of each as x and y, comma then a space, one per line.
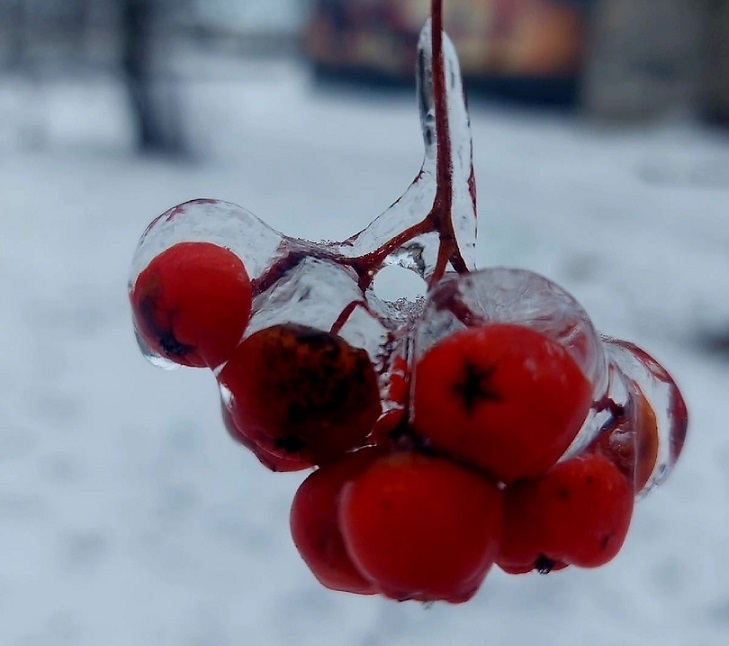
488, 425
468, 471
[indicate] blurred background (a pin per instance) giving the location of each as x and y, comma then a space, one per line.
601, 149
618, 60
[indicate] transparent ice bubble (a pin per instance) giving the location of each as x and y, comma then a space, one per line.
504, 295
204, 220
319, 293
223, 223
663, 396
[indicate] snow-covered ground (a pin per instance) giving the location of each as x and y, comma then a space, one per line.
126, 514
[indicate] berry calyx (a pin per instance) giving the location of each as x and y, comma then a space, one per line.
191, 304
502, 397
421, 527
301, 392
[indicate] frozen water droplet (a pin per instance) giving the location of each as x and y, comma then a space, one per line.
153, 357
663, 396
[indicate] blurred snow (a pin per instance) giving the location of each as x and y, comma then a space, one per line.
126, 514
250, 15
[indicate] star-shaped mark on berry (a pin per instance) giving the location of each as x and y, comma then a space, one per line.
476, 387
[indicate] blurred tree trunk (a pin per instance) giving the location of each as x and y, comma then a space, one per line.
152, 91
715, 77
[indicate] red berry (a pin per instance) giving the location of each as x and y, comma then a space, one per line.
315, 523
270, 460
191, 303
421, 527
503, 397
302, 392
578, 513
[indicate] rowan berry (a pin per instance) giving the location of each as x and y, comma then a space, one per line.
502, 397
315, 528
191, 304
421, 527
302, 392
272, 461
577, 513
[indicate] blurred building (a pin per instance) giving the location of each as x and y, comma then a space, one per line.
616, 59
531, 50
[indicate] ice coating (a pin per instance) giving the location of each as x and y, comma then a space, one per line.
522, 297
205, 220
431, 231
322, 294
150, 355
412, 245
328, 285
664, 397
505, 295
620, 372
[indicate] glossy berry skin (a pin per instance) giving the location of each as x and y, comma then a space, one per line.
421, 528
191, 304
314, 522
578, 513
502, 397
302, 393
270, 460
